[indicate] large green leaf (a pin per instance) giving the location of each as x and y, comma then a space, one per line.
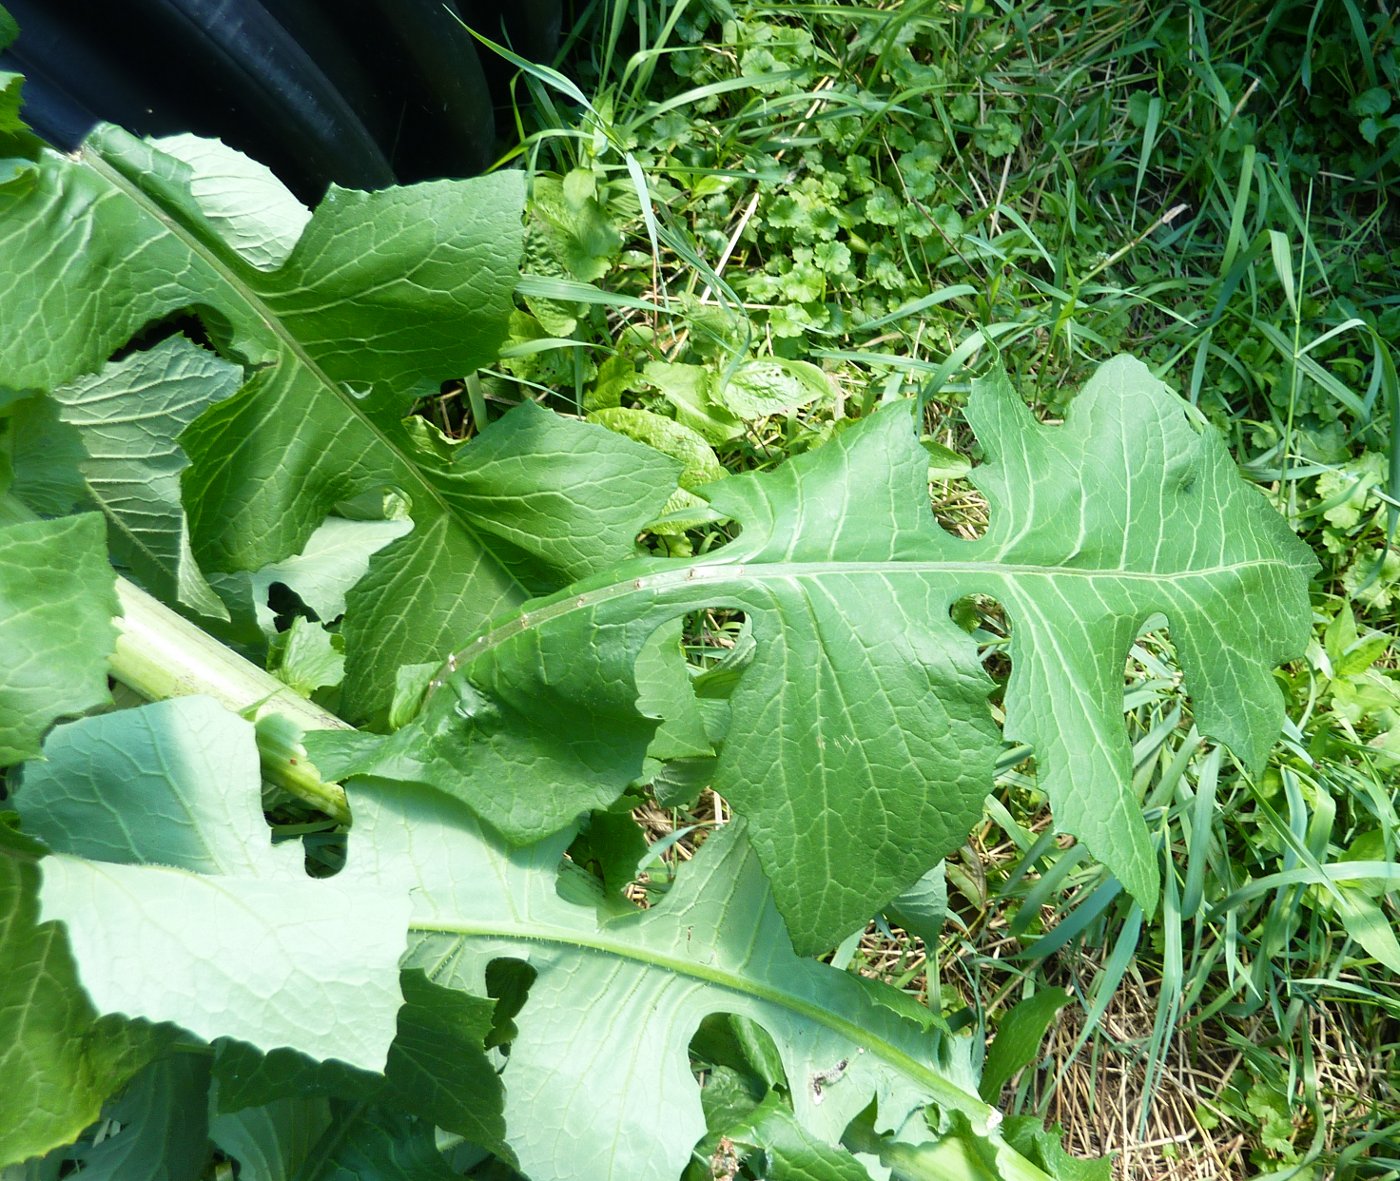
598, 1081
58, 1061
57, 600
237, 942
861, 743
163, 1122
339, 327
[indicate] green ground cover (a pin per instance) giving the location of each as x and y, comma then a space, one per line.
901, 195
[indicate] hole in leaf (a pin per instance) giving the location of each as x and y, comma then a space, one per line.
736, 1060
715, 639
508, 983
1152, 683
982, 617
958, 507
324, 851
203, 326
608, 848
285, 603
449, 410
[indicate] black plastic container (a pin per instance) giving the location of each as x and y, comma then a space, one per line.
362, 93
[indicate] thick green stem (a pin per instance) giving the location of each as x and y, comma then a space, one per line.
160, 654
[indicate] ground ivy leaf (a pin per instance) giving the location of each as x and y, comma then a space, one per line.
616, 1001
861, 743
238, 942
57, 601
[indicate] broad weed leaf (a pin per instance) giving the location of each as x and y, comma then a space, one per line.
861, 743
339, 319
598, 1081
179, 908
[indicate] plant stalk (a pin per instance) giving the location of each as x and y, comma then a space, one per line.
159, 654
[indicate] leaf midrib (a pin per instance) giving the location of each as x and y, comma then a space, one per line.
733, 579
273, 323
940, 1089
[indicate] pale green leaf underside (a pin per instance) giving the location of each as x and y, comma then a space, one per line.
252, 209
247, 947
322, 575
128, 415
861, 744
598, 1081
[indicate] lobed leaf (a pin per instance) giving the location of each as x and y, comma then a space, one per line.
598, 1081
339, 319
861, 744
